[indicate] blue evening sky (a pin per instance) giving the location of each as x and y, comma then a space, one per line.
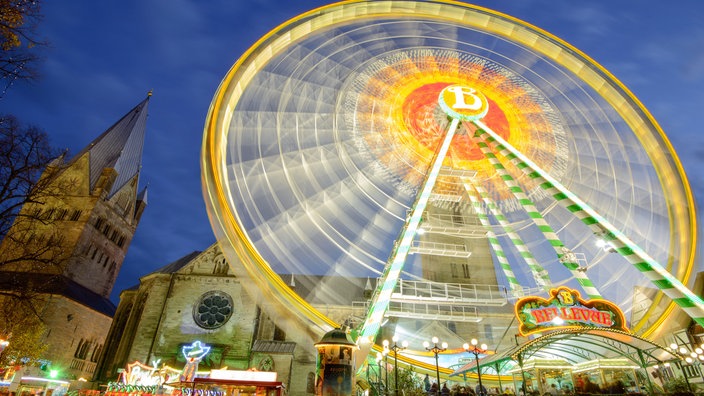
106, 55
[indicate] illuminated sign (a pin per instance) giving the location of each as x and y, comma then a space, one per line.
566, 309
463, 103
195, 351
239, 375
140, 374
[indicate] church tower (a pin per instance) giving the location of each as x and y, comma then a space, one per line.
94, 207
80, 227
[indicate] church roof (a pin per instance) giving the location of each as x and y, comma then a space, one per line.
282, 347
58, 285
142, 196
178, 264
119, 147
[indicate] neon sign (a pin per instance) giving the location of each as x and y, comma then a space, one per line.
566, 309
195, 351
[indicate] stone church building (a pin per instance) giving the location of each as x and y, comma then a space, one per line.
93, 212
198, 298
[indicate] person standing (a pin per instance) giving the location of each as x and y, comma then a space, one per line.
553, 390
445, 391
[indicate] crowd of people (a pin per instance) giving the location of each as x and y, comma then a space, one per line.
462, 390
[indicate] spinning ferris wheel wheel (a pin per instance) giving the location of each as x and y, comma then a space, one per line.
343, 134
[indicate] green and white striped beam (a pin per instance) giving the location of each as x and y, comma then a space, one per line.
513, 283
692, 304
540, 275
565, 256
392, 271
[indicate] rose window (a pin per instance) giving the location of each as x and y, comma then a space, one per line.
213, 310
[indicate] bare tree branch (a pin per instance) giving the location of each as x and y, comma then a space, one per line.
18, 25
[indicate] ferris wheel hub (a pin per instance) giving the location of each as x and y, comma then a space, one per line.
463, 103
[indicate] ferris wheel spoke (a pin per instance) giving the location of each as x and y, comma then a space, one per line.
501, 257
382, 295
670, 285
564, 254
540, 275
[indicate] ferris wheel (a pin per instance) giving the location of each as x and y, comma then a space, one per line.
343, 133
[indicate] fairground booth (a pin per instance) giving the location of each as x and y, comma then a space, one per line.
573, 345
145, 380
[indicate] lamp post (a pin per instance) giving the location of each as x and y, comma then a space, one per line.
682, 350
396, 348
473, 349
691, 357
698, 356
435, 349
379, 357
386, 367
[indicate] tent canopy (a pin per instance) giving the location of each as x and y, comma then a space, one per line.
577, 345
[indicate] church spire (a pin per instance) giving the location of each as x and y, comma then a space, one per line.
119, 147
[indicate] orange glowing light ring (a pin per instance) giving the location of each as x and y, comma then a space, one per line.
393, 107
566, 309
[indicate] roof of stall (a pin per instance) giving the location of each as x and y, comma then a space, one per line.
578, 345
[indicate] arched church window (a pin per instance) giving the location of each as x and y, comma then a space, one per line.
310, 383
77, 354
